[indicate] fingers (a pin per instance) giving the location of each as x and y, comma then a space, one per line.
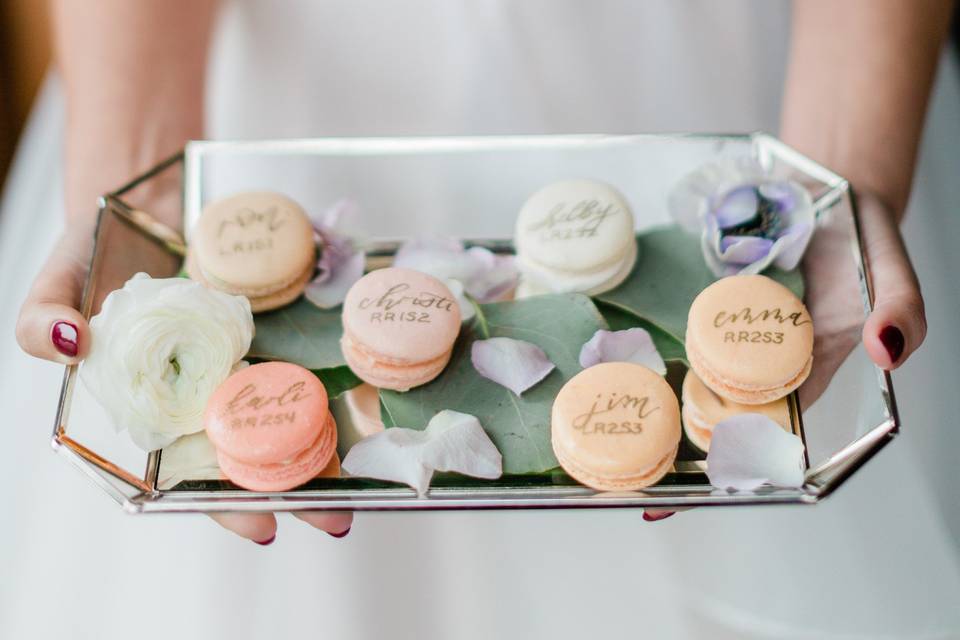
258, 527
336, 523
654, 515
897, 326
50, 326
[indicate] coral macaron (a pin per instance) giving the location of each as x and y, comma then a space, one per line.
399, 327
271, 426
616, 427
750, 339
257, 244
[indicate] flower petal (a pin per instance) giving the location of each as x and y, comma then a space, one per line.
466, 307
330, 291
782, 193
789, 248
630, 345
485, 275
737, 206
452, 441
514, 364
744, 249
750, 450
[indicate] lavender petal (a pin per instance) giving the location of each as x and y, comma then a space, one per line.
514, 364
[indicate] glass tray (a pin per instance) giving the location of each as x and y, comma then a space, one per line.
470, 188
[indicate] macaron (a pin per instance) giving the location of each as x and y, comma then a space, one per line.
615, 426
271, 426
399, 327
702, 409
574, 236
257, 244
750, 339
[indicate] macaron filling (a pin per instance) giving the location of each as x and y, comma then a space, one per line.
739, 391
604, 277
390, 373
642, 478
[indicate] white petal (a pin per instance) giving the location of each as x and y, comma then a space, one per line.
452, 441
750, 450
332, 290
493, 275
630, 345
514, 364
466, 307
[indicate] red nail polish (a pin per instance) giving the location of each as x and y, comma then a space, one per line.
266, 542
64, 338
653, 517
892, 339
341, 534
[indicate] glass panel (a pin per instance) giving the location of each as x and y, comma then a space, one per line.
473, 188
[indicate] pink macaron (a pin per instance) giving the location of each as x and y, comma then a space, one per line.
399, 327
271, 426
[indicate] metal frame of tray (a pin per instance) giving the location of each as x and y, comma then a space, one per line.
139, 493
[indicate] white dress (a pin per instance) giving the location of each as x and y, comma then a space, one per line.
864, 564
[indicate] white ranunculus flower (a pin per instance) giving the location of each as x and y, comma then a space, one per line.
160, 347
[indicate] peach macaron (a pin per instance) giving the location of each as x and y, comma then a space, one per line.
750, 339
271, 426
399, 327
257, 244
616, 427
702, 409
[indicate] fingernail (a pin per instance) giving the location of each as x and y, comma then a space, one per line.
64, 338
653, 517
341, 534
892, 339
267, 542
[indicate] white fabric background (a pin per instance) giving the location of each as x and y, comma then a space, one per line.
868, 563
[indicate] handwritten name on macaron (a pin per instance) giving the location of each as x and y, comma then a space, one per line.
587, 423
747, 316
247, 398
396, 296
581, 220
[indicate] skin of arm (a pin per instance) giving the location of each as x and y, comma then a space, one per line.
858, 84
857, 87
133, 74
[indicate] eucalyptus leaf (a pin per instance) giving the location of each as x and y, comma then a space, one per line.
518, 425
301, 333
669, 347
669, 273
336, 380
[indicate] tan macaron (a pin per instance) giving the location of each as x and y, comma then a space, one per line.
750, 339
702, 409
257, 244
616, 427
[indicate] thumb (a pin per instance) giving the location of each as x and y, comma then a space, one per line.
50, 325
897, 325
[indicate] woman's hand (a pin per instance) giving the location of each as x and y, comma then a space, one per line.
897, 325
51, 327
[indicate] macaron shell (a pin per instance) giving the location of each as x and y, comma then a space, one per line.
541, 279
621, 483
387, 375
263, 303
751, 333
615, 422
253, 243
737, 391
315, 460
575, 225
401, 317
267, 413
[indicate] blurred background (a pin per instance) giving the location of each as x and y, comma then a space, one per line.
24, 56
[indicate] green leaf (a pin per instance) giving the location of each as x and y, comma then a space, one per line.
519, 426
669, 347
301, 333
337, 380
669, 273
306, 335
